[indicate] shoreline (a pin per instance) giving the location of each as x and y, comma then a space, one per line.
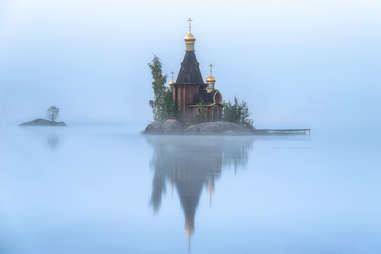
218, 128
262, 132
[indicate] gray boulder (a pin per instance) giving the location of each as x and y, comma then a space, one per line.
169, 126
220, 127
43, 122
153, 128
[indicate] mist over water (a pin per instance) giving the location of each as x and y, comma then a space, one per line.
107, 189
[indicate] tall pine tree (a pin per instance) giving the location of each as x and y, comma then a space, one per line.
162, 104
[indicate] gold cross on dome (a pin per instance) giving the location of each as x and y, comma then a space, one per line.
211, 69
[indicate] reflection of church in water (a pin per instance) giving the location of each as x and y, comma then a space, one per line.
191, 164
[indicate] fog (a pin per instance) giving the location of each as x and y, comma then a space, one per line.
99, 186
297, 63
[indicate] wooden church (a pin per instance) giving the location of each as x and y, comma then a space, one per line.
195, 99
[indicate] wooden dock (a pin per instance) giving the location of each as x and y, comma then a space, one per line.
282, 131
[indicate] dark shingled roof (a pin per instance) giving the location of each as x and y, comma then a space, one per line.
190, 70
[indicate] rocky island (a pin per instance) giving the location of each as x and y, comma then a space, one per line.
52, 115
175, 127
43, 122
172, 126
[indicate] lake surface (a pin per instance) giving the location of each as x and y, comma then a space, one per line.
111, 190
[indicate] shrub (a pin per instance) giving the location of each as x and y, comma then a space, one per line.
237, 112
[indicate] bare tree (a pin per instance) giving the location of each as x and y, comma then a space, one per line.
52, 113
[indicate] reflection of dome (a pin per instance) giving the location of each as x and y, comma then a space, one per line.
189, 227
210, 188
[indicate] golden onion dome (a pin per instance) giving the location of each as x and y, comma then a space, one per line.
189, 36
211, 79
172, 82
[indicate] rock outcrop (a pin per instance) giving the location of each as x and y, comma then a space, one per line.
153, 128
169, 126
208, 128
172, 126
43, 122
220, 127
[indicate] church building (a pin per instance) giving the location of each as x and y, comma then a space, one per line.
195, 98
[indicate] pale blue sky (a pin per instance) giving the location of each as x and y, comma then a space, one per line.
298, 63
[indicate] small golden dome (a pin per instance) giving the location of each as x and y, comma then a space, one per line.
189, 36
172, 82
211, 80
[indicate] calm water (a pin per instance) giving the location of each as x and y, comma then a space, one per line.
108, 190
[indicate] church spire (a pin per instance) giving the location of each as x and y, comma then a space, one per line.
189, 38
190, 70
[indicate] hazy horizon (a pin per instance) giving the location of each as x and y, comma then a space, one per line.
297, 64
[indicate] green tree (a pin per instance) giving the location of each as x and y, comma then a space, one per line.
237, 112
163, 107
52, 113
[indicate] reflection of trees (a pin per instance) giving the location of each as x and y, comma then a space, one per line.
190, 163
53, 140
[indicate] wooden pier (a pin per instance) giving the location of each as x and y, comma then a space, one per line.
282, 131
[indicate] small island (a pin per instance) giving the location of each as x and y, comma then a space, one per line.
194, 107
52, 115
